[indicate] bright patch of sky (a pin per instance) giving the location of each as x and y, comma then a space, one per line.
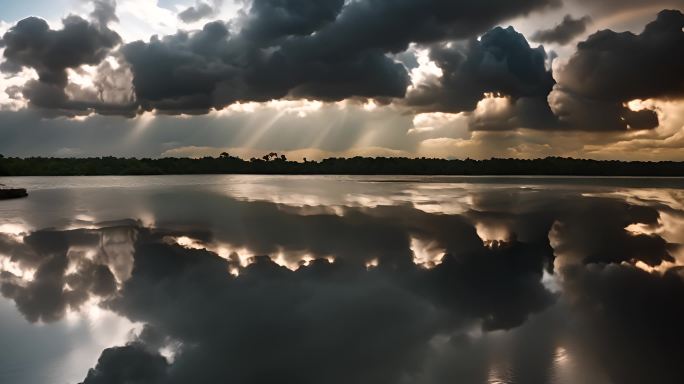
138, 19
13, 10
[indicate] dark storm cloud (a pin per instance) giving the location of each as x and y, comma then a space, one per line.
564, 32
617, 7
200, 11
602, 63
327, 50
610, 69
180, 71
203, 70
391, 26
104, 11
578, 113
500, 62
334, 50
31, 43
132, 363
269, 20
591, 91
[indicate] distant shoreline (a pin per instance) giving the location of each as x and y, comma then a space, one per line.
274, 164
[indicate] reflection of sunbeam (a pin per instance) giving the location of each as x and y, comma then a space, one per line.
27, 275
563, 258
117, 246
563, 366
187, 242
637, 229
671, 198
439, 198
672, 227
14, 230
103, 329
86, 218
492, 235
425, 254
369, 201
499, 373
551, 282
374, 263
660, 269
291, 263
241, 256
170, 351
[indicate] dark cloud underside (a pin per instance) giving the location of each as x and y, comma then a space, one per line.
327, 50
501, 62
611, 69
334, 50
31, 43
564, 32
199, 11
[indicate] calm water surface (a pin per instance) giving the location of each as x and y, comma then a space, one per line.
330, 279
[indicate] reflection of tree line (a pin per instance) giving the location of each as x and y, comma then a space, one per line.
274, 163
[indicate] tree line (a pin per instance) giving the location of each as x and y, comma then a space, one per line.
274, 163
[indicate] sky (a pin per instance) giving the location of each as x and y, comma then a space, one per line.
451, 79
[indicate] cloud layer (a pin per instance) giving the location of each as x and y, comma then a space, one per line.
611, 69
460, 62
563, 33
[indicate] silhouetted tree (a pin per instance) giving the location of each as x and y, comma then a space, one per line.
42, 166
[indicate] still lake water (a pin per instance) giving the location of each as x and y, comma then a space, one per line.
331, 279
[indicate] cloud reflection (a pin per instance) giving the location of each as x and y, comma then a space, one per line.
540, 284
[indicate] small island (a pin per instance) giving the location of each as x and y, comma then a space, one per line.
12, 193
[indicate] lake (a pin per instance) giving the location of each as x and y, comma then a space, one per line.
342, 279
